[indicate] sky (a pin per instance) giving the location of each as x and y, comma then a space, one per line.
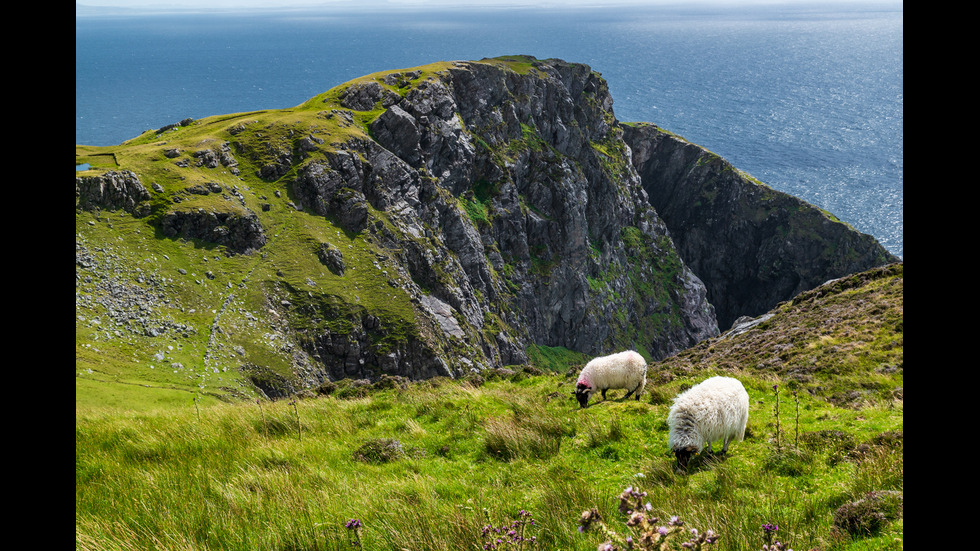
426, 3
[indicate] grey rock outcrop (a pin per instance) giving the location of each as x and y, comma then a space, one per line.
240, 232
332, 258
399, 132
112, 190
364, 96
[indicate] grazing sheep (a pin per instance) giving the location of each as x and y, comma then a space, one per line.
623, 370
715, 409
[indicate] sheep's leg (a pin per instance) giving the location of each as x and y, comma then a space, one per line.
630, 393
724, 446
604, 393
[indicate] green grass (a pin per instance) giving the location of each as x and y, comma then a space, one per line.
174, 452
288, 475
555, 358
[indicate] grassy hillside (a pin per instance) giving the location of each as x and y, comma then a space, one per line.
167, 322
428, 465
164, 322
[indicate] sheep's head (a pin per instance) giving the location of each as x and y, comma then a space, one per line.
583, 392
684, 456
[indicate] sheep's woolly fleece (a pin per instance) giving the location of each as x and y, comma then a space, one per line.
622, 370
715, 409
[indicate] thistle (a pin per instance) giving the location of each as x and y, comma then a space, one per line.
512, 535
646, 531
768, 530
354, 527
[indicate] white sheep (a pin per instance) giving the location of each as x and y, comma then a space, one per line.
623, 370
715, 409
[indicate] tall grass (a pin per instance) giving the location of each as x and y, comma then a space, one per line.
287, 475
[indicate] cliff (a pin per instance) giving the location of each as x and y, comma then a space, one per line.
752, 246
417, 223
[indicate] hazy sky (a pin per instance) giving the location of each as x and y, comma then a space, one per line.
434, 3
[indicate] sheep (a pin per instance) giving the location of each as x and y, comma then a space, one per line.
717, 408
623, 370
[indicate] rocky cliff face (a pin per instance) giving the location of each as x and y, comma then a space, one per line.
752, 246
483, 207
511, 201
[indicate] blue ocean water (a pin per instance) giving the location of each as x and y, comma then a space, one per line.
808, 99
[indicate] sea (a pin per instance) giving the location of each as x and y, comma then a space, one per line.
806, 98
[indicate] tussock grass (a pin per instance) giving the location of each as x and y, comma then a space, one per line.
240, 477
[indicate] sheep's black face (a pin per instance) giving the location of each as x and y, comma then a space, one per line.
684, 456
583, 392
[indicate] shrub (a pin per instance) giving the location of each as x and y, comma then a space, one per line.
867, 516
391, 382
381, 450
832, 440
884, 442
350, 389
836, 444
788, 462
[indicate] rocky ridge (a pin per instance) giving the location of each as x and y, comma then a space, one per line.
494, 205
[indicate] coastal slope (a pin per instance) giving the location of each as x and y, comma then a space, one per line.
432, 221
